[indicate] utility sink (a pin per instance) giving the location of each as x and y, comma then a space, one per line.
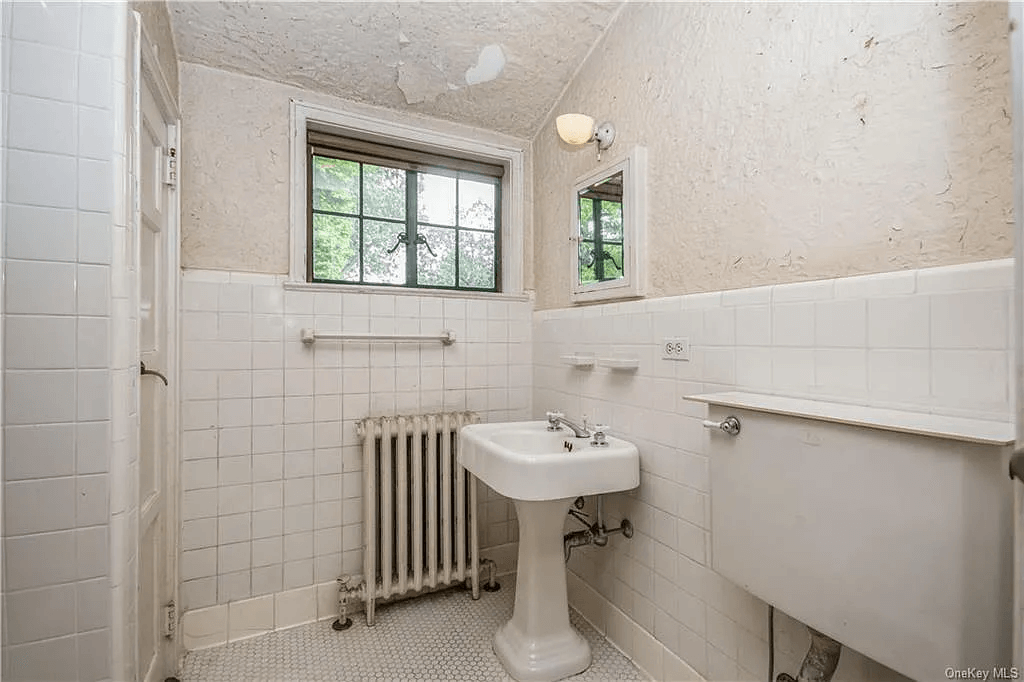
525, 461
543, 471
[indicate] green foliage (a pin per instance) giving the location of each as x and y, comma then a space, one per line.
380, 209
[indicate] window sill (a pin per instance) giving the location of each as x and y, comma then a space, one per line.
400, 291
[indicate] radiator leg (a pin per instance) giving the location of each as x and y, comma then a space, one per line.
347, 589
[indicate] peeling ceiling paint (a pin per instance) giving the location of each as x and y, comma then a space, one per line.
489, 65
460, 61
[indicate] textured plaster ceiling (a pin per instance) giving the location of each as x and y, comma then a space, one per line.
499, 66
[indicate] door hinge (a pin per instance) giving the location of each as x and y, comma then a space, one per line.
170, 620
171, 167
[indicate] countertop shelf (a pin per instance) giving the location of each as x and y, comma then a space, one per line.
903, 421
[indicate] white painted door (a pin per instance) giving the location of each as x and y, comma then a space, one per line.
1017, 97
155, 559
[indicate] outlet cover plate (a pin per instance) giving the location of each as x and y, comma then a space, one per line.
675, 348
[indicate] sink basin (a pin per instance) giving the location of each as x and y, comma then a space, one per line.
542, 471
525, 461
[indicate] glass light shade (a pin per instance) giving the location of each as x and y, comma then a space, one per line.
575, 128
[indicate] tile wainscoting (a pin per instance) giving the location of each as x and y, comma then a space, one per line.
271, 464
934, 340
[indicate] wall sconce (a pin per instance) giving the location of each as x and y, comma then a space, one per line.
577, 129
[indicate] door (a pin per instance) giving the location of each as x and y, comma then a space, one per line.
156, 557
1017, 462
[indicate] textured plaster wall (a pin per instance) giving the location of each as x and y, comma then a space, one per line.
794, 141
157, 21
235, 169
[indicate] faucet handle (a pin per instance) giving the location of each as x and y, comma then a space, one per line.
553, 418
599, 436
553, 415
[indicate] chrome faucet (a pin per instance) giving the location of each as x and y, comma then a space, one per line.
555, 419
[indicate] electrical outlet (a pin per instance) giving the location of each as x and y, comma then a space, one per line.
675, 348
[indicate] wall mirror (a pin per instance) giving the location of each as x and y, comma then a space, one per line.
608, 231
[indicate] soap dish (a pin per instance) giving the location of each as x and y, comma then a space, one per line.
620, 363
582, 360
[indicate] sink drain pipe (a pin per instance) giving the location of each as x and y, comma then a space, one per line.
593, 534
820, 662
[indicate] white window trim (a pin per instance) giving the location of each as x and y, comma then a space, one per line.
634, 231
420, 134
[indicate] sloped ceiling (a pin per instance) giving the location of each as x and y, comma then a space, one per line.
499, 66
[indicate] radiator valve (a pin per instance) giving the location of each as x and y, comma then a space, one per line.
347, 588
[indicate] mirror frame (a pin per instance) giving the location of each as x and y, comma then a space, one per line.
634, 231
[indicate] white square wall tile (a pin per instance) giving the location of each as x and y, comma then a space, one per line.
39, 397
39, 506
754, 326
41, 614
899, 322
295, 607
899, 374
41, 125
40, 288
204, 628
40, 342
793, 324
841, 370
39, 451
42, 71
41, 233
250, 617
792, 368
42, 179
970, 319
48, 23
840, 323
971, 379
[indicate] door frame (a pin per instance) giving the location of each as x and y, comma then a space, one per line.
150, 73
1016, 23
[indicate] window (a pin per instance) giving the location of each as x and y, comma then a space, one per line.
384, 215
600, 207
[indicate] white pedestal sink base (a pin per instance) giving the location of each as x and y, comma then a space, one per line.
539, 644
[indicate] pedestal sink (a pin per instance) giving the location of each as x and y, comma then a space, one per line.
543, 471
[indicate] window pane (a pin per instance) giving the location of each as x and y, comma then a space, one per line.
437, 270
587, 275
379, 266
335, 185
586, 218
611, 220
476, 259
384, 189
476, 204
436, 199
335, 248
612, 261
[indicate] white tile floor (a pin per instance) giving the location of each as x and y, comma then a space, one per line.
446, 636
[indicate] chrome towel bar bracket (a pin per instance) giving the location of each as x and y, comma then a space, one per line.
729, 425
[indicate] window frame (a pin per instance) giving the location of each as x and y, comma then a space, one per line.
418, 134
633, 166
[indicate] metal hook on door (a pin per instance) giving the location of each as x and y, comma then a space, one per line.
143, 371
